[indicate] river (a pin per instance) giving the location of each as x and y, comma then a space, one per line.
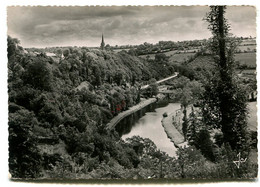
147, 124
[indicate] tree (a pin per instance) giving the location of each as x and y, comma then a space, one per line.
132, 52
192, 129
224, 101
107, 47
39, 74
153, 88
97, 74
204, 144
24, 157
161, 57
133, 80
188, 160
59, 53
12, 46
66, 52
184, 123
198, 136
119, 76
185, 100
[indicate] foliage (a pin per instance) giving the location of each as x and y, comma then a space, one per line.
193, 128
69, 102
191, 164
224, 101
160, 57
24, 158
152, 89
58, 111
185, 122
189, 160
13, 47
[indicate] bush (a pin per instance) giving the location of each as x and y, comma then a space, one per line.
165, 114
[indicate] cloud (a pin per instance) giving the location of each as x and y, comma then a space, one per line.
242, 20
54, 26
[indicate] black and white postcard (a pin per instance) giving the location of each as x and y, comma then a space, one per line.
132, 92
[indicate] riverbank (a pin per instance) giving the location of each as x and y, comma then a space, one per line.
147, 123
173, 134
130, 111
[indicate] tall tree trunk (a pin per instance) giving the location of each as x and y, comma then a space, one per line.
222, 42
226, 80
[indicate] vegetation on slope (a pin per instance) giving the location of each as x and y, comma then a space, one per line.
67, 104
59, 108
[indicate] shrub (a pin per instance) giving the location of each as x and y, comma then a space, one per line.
165, 114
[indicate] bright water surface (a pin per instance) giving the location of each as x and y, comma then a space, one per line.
147, 124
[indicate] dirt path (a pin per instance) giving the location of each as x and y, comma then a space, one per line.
160, 81
131, 110
171, 131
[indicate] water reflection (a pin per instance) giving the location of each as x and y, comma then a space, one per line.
147, 124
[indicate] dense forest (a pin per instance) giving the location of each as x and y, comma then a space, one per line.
59, 108
58, 112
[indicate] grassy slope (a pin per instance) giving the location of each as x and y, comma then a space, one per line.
246, 58
174, 56
246, 47
181, 57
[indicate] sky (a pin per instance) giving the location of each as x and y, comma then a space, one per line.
83, 26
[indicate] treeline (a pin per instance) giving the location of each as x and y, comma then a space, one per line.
145, 48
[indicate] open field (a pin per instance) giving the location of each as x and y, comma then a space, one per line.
181, 57
192, 50
249, 71
175, 55
248, 42
247, 47
246, 58
151, 56
246, 71
170, 53
118, 50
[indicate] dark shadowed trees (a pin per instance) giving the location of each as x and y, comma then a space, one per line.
24, 157
13, 46
39, 75
224, 101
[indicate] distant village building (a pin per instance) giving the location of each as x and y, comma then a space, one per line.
102, 46
50, 54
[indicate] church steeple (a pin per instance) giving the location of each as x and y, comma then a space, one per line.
102, 46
